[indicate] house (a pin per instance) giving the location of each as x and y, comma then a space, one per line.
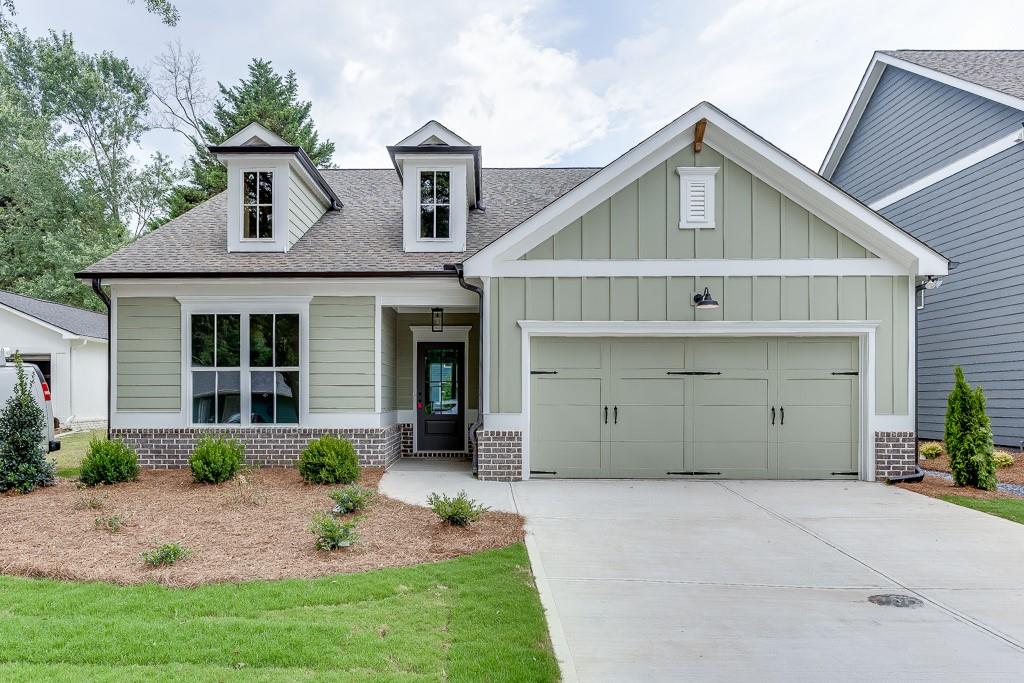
932, 141
70, 347
703, 306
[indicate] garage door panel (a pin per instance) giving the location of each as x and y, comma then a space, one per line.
731, 458
552, 391
717, 355
650, 459
805, 461
731, 392
566, 459
815, 392
648, 354
732, 423
647, 391
809, 423
566, 354
818, 354
649, 423
568, 423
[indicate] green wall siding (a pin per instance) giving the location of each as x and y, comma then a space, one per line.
341, 354
148, 353
304, 209
403, 358
753, 221
885, 298
388, 359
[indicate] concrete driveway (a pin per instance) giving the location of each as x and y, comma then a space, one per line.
649, 580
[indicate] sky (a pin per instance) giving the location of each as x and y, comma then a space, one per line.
542, 82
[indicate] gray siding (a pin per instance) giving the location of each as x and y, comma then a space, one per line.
341, 354
148, 353
913, 125
976, 318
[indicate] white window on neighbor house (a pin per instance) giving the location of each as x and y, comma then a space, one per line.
435, 205
244, 364
257, 205
697, 197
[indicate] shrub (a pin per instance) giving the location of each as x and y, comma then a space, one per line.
350, 499
329, 460
969, 436
331, 533
23, 463
458, 511
215, 459
113, 523
249, 490
165, 555
931, 450
109, 462
1002, 459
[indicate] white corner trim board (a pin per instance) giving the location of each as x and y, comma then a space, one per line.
949, 170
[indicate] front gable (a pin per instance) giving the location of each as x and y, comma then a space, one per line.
804, 225
753, 220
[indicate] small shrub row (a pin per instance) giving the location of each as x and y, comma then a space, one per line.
109, 462
350, 499
165, 555
460, 510
332, 533
329, 460
216, 459
1001, 459
930, 450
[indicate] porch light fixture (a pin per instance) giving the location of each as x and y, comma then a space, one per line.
437, 320
704, 300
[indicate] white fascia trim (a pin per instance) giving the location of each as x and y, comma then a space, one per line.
866, 89
697, 267
397, 291
435, 129
255, 130
65, 334
940, 174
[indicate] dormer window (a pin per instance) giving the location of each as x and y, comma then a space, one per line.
258, 205
435, 205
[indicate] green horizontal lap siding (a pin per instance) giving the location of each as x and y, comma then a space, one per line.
304, 209
148, 354
341, 354
884, 298
754, 220
404, 360
388, 359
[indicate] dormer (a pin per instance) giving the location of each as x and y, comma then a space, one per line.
275, 193
440, 174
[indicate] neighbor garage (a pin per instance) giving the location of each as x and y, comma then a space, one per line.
766, 408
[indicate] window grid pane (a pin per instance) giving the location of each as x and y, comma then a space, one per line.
258, 205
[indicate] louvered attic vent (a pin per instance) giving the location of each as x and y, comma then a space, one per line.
697, 197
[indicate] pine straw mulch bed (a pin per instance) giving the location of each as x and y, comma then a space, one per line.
254, 527
1009, 475
936, 487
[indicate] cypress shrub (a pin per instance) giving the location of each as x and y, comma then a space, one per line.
23, 463
969, 436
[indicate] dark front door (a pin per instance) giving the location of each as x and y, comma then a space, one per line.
440, 397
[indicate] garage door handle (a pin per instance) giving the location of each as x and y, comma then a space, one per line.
773, 414
616, 415
606, 414
782, 416
543, 372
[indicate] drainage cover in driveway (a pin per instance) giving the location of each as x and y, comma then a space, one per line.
895, 600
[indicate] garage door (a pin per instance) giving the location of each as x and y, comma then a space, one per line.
668, 408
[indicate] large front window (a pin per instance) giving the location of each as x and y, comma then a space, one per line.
435, 205
258, 205
232, 377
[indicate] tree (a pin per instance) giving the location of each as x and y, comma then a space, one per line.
265, 97
969, 436
23, 463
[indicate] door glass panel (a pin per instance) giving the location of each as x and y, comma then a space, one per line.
441, 381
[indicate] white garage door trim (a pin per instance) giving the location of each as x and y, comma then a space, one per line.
864, 330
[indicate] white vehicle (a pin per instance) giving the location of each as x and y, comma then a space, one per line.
37, 385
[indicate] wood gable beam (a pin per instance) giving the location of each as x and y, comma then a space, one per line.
698, 135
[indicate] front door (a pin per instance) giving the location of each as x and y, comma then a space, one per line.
440, 397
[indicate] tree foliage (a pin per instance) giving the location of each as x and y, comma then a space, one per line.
23, 463
265, 97
969, 436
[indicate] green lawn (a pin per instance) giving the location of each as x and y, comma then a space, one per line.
471, 619
72, 449
1007, 508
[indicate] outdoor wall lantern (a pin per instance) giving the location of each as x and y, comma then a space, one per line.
704, 300
437, 319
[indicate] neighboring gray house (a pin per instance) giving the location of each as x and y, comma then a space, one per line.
932, 141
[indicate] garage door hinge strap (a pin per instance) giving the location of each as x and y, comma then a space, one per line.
851, 372
692, 474
839, 474
691, 372
543, 372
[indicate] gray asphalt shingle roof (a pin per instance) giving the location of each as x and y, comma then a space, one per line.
364, 236
1001, 70
75, 320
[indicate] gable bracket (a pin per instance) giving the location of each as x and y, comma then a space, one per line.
698, 135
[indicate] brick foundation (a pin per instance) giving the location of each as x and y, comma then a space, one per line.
895, 454
501, 456
407, 451
264, 446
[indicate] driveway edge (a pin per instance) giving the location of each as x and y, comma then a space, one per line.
547, 600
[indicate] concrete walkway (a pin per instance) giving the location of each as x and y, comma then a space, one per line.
670, 580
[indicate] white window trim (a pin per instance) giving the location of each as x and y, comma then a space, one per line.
864, 330
273, 205
706, 175
451, 333
243, 306
419, 202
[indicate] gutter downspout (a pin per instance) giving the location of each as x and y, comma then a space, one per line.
475, 427
96, 287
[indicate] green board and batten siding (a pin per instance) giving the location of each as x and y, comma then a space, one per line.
341, 354
884, 298
388, 359
304, 209
148, 353
755, 221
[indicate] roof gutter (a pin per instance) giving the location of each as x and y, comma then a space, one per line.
88, 275
97, 286
475, 428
